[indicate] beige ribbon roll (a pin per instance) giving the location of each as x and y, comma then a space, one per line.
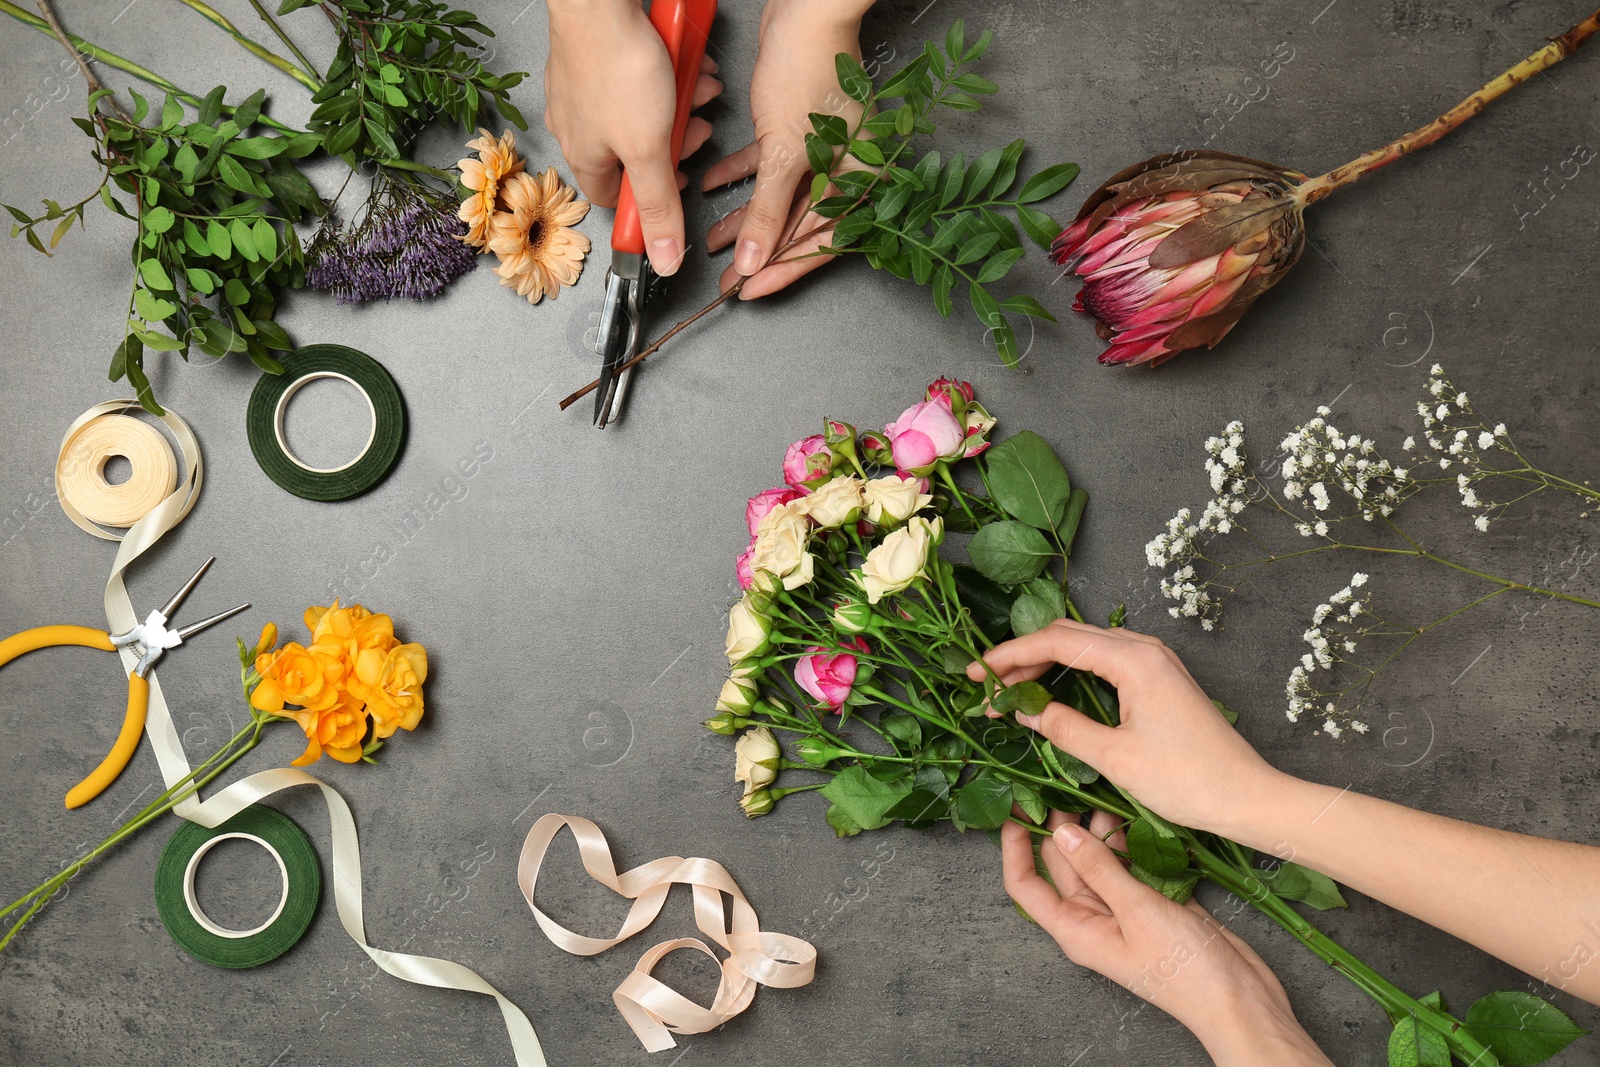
87, 438
655, 1011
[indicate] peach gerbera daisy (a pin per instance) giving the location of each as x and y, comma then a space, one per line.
497, 161
538, 249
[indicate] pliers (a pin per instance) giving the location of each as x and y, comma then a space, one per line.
683, 26
147, 640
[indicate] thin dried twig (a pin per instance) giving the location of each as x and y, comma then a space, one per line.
89, 78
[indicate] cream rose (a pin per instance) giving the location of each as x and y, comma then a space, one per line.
900, 559
755, 757
780, 547
835, 503
891, 499
747, 632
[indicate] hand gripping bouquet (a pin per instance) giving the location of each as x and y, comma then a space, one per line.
849, 651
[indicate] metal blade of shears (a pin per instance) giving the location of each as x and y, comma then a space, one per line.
618, 336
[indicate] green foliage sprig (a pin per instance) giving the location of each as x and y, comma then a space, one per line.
400, 64
216, 204
938, 221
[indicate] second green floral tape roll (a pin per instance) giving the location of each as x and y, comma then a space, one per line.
268, 402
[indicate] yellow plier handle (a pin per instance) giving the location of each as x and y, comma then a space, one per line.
132, 723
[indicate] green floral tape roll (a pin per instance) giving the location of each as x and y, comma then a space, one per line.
264, 423
194, 931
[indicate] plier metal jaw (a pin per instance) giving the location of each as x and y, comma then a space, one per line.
617, 340
152, 637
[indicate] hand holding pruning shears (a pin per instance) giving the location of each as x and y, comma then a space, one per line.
619, 86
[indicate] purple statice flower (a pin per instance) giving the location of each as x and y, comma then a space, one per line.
407, 245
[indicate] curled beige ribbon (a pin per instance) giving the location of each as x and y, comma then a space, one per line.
655, 1011
163, 734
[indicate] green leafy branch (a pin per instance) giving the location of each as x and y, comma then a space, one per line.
399, 64
215, 205
939, 221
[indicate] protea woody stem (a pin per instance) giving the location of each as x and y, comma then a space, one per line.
1558, 49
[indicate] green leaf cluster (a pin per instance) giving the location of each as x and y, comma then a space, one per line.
941, 222
399, 65
216, 209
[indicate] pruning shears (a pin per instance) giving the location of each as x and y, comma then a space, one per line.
683, 26
148, 641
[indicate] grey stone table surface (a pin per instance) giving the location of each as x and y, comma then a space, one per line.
571, 593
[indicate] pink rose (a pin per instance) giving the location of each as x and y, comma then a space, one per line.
741, 567
830, 676
808, 463
924, 434
765, 501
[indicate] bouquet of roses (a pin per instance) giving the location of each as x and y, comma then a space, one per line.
854, 636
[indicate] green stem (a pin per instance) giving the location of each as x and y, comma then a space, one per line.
252, 46
185, 787
1395, 1002
127, 66
272, 23
395, 163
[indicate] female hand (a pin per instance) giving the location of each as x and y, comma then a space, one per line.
1173, 750
609, 102
794, 76
1176, 956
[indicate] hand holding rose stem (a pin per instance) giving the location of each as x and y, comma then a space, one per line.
849, 605
351, 688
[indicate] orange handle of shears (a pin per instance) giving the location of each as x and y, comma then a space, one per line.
683, 26
132, 722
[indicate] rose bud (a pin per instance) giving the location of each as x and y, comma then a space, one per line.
727, 724
748, 632
953, 394
757, 803
829, 676
841, 438
853, 617
818, 753
808, 463
756, 755
738, 695
979, 423
875, 449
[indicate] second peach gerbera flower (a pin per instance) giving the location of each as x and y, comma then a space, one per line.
497, 160
538, 249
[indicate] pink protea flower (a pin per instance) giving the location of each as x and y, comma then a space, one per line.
1174, 250
830, 676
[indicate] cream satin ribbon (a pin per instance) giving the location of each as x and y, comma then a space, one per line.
163, 734
656, 1012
